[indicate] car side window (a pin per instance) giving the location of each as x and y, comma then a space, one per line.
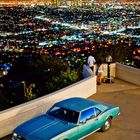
96, 111
88, 114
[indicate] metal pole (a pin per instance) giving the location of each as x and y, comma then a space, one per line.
108, 74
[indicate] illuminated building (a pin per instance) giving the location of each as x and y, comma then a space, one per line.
71, 3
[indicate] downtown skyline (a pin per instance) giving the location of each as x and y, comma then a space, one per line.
47, 1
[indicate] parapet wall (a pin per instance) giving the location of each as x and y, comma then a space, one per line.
12, 117
127, 73
112, 69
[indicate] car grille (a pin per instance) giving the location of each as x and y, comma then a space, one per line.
18, 138
21, 138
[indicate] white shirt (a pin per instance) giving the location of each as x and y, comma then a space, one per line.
91, 60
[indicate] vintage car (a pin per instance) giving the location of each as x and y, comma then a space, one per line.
70, 119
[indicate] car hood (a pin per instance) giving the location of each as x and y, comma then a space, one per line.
43, 127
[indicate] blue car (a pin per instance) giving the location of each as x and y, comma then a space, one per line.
70, 119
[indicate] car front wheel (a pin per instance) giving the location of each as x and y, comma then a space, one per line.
106, 125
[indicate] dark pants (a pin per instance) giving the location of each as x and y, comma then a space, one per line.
92, 68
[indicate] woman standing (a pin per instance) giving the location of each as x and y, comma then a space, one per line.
100, 72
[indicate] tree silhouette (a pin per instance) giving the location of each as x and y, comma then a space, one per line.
29, 79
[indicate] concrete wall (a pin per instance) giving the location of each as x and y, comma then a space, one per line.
127, 73
112, 69
10, 118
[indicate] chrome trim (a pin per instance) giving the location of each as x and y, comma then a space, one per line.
89, 134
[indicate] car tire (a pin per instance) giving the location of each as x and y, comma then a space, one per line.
106, 125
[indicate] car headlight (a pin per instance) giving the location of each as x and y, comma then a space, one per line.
15, 135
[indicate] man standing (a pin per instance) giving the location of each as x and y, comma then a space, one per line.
91, 60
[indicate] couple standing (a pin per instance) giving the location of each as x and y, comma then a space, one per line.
99, 68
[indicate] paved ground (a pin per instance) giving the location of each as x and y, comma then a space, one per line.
127, 97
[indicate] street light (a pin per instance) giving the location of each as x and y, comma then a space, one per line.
108, 79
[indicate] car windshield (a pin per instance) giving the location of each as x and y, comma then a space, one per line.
64, 114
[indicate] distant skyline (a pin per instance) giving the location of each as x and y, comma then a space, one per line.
67, 2
64, 0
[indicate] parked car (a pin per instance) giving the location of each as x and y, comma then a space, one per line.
70, 119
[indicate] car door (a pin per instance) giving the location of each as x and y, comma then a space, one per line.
88, 121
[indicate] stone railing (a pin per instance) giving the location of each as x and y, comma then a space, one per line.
12, 117
127, 73
112, 69
124, 72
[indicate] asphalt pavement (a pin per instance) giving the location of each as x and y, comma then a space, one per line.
127, 97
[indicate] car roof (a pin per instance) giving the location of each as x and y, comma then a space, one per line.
77, 104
